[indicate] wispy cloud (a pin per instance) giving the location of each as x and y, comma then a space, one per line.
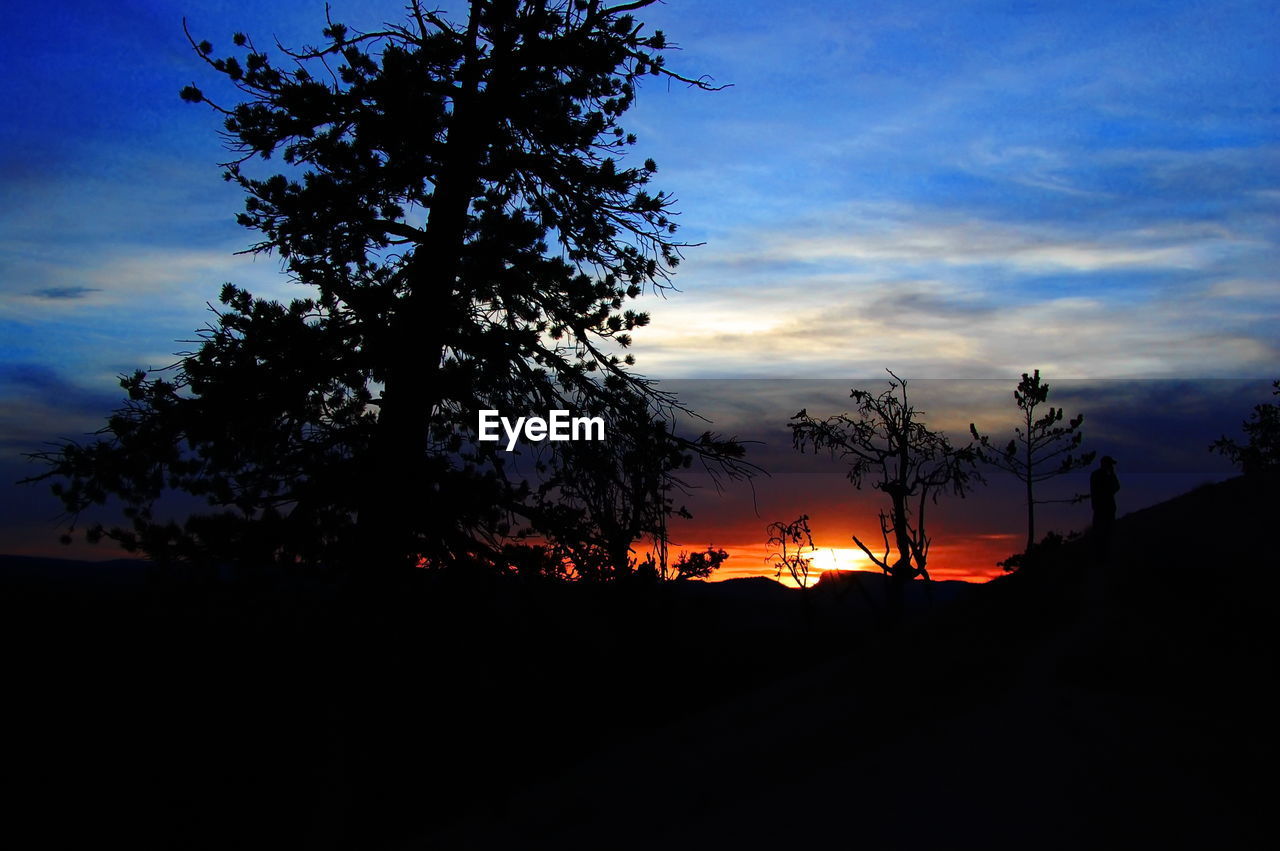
38, 403
988, 243
856, 288
60, 293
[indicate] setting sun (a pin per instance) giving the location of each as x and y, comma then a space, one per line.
837, 558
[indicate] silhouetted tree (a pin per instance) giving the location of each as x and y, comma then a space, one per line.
1049, 551
534, 561
606, 496
699, 564
793, 548
456, 197
1261, 451
912, 464
1041, 448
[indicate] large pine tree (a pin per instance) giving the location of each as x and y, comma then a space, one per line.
458, 199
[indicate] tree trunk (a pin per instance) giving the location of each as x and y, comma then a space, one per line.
399, 489
1031, 503
1031, 516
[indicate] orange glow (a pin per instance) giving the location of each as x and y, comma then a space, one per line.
969, 558
968, 536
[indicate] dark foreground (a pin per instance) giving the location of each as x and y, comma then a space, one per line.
1063, 707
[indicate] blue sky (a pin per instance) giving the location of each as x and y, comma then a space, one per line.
949, 189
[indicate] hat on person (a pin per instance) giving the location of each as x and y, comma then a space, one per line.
1108, 461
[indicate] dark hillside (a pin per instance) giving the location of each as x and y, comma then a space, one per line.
1049, 708
259, 709
1127, 705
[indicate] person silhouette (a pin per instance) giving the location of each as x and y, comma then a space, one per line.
1103, 484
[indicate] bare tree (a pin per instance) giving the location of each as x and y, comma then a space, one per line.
1041, 448
792, 548
911, 464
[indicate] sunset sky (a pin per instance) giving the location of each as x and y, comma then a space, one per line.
958, 191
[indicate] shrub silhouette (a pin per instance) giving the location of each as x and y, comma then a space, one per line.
1261, 450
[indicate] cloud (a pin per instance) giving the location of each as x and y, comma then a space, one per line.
921, 236
40, 380
64, 292
941, 291
872, 327
39, 403
131, 308
126, 272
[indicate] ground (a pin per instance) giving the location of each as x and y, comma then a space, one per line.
1071, 703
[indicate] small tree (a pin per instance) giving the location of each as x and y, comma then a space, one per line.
699, 564
793, 548
913, 466
1041, 449
1045, 553
1262, 451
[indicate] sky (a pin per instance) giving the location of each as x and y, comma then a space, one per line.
957, 191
